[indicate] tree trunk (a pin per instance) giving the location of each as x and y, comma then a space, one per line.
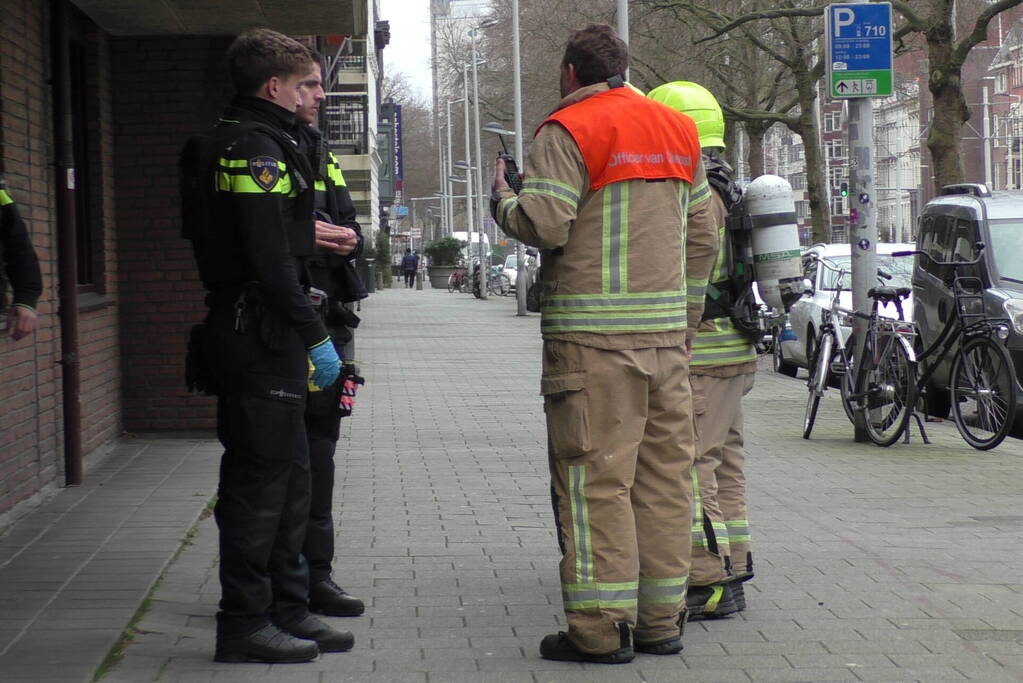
950, 112
755, 153
816, 184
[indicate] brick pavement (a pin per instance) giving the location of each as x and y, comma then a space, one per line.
897, 564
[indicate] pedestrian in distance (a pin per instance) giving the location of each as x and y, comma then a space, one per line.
721, 372
247, 201
614, 193
20, 267
338, 242
409, 265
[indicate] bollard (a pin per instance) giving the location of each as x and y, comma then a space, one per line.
419, 279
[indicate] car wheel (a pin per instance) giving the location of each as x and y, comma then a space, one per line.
780, 364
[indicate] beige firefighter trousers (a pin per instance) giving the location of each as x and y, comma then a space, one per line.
619, 425
724, 541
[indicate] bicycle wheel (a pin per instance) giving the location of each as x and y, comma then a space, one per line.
452, 284
818, 382
983, 392
890, 380
502, 285
847, 382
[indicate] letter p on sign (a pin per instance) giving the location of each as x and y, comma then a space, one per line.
843, 17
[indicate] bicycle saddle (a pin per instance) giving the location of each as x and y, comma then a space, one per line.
889, 294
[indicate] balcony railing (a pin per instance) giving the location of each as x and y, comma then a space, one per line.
354, 56
346, 124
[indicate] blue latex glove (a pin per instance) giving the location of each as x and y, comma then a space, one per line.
326, 362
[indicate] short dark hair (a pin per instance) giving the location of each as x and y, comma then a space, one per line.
258, 55
597, 53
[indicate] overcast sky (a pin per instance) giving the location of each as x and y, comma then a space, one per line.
409, 50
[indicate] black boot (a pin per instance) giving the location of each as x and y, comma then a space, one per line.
712, 602
327, 638
668, 646
269, 644
557, 646
326, 597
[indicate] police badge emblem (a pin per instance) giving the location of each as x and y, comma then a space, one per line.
265, 171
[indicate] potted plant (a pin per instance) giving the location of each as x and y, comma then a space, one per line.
444, 254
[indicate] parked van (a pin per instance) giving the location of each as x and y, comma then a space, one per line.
950, 225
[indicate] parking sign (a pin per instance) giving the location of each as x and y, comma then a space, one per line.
859, 49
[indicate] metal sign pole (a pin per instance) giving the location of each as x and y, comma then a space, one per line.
859, 50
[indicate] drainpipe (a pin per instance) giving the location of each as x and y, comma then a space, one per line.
67, 247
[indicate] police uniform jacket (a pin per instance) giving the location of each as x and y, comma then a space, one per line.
16, 254
262, 228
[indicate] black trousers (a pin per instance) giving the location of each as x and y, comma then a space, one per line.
410, 278
323, 427
263, 502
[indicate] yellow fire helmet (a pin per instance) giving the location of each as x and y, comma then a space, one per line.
696, 101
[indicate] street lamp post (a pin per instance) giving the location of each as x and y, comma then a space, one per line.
520, 252
468, 164
480, 209
447, 171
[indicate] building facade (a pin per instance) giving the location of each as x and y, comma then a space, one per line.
96, 99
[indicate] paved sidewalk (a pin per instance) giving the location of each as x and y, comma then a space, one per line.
898, 564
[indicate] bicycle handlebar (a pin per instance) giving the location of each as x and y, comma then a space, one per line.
978, 249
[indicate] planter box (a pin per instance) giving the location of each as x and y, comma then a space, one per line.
439, 276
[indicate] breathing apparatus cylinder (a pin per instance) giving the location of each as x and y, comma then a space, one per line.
776, 250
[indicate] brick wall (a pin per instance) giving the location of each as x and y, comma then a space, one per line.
30, 448
165, 89
31, 425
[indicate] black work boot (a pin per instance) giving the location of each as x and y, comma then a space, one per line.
712, 602
668, 646
557, 646
269, 644
326, 597
328, 639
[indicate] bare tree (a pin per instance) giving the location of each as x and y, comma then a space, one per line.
940, 22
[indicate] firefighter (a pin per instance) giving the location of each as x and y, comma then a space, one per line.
609, 181
247, 207
721, 372
339, 241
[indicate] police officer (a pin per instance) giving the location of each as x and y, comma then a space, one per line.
723, 365
339, 241
247, 206
20, 266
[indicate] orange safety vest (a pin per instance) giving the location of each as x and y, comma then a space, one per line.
623, 136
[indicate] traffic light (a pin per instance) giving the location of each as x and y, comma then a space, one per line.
843, 189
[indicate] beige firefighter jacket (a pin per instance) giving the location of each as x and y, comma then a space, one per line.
639, 251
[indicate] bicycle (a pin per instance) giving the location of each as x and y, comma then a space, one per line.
885, 375
829, 347
458, 281
881, 391
499, 284
982, 379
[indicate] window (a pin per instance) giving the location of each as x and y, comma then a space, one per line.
1002, 82
832, 121
835, 149
838, 206
798, 181
802, 208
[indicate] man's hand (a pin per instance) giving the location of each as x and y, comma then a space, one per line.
335, 238
499, 182
23, 322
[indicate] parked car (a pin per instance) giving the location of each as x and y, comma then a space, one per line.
950, 225
795, 348
510, 268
